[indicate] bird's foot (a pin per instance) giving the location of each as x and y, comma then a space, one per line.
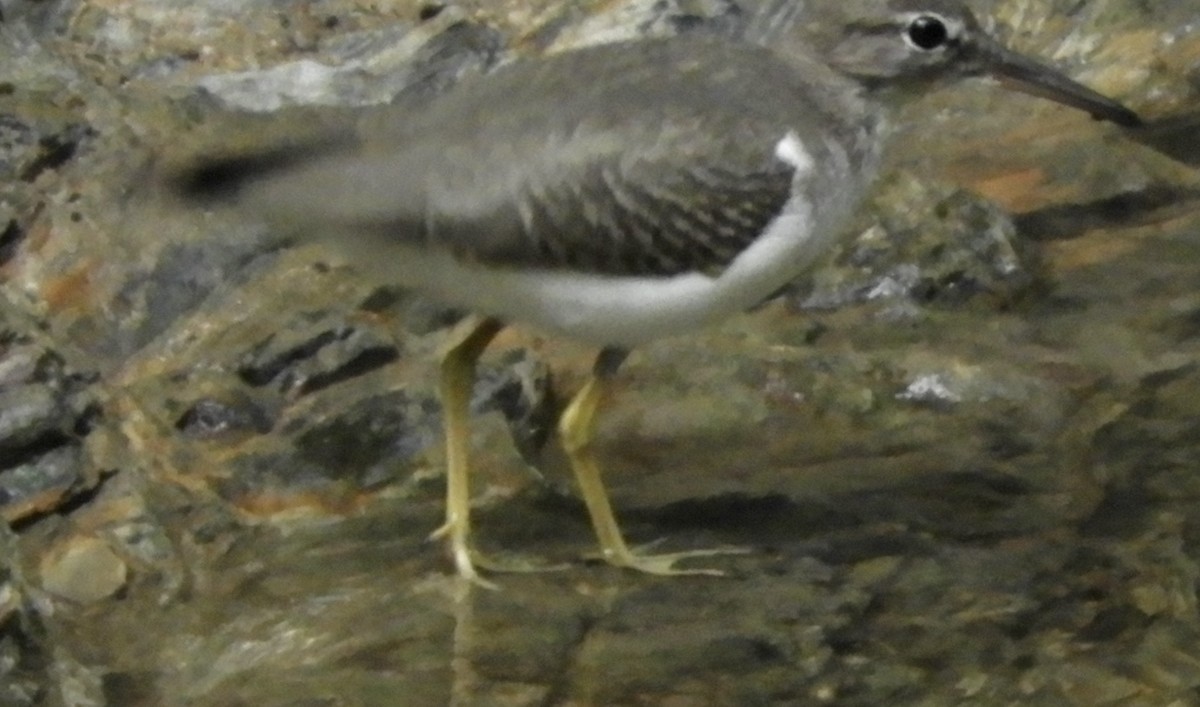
468, 560
664, 564
465, 558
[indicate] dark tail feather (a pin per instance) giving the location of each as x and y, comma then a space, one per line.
222, 178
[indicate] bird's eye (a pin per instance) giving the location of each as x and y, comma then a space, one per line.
927, 32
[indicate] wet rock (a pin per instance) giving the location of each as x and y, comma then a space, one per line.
16, 689
353, 353
43, 483
30, 415
345, 446
27, 149
1147, 450
572, 26
154, 559
11, 235
18, 142
53, 151
374, 441
464, 48
23, 681
46, 412
275, 485
28, 363
520, 387
210, 418
10, 600
183, 276
367, 67
420, 316
45, 17
11, 579
315, 353
75, 682
535, 656
926, 245
83, 570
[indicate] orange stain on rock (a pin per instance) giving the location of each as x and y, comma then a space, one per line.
329, 502
43, 502
71, 290
1014, 191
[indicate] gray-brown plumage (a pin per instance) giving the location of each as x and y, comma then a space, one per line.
661, 165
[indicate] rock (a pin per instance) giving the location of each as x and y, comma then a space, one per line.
309, 355
24, 680
519, 386
83, 570
922, 245
46, 412
29, 414
210, 418
369, 67
637, 18
43, 483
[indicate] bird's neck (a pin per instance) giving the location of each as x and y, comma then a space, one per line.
856, 113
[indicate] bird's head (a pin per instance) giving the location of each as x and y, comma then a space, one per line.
908, 46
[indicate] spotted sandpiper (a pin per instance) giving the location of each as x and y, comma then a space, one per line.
620, 193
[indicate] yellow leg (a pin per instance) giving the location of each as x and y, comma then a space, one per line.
457, 381
576, 426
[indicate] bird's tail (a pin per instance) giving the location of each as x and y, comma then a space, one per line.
222, 178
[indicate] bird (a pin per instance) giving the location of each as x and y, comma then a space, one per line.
618, 193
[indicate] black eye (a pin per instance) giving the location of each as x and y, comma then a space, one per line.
927, 32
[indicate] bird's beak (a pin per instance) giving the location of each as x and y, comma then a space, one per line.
1028, 76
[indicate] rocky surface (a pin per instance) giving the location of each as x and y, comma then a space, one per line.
963, 454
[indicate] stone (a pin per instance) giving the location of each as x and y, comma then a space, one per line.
84, 570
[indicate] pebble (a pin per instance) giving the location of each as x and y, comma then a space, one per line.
85, 570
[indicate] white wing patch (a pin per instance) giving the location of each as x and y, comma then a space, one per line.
791, 150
